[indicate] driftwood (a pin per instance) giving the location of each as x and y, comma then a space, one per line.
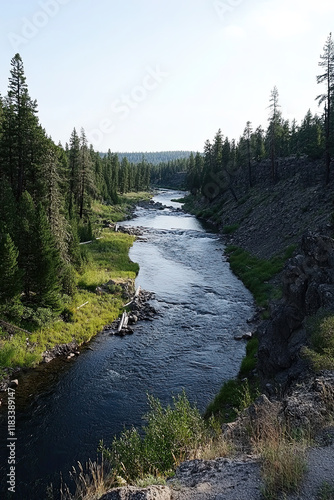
122, 322
83, 305
9, 328
90, 241
134, 298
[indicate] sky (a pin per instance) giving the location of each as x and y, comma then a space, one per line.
159, 75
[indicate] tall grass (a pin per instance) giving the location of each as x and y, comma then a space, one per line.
283, 457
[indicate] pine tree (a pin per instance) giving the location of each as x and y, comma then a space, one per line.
311, 137
258, 144
85, 174
273, 130
20, 142
11, 275
46, 280
54, 202
73, 152
7, 206
25, 241
217, 151
247, 137
327, 62
207, 190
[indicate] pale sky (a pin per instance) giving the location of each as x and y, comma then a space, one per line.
153, 75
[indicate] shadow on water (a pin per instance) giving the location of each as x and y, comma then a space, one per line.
65, 408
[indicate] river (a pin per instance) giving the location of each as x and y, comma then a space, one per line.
65, 408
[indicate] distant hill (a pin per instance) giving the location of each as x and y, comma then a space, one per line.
155, 158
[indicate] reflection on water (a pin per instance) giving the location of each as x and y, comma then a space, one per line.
65, 408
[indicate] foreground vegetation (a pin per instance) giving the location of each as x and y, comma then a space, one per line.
177, 433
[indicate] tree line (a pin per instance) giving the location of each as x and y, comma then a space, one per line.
46, 192
313, 137
155, 158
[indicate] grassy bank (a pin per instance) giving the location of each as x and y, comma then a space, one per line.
85, 313
256, 273
119, 211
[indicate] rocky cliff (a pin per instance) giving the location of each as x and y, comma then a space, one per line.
308, 286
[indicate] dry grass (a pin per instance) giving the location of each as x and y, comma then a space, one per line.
217, 447
282, 452
90, 482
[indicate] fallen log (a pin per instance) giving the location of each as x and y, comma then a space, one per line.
8, 327
121, 323
83, 305
134, 297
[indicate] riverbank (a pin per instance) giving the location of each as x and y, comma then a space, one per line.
105, 265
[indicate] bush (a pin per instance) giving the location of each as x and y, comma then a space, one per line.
171, 435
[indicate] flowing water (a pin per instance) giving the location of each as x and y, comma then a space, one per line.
65, 408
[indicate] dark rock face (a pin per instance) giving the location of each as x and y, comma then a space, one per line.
308, 285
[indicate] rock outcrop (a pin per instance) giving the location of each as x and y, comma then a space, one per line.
308, 285
132, 493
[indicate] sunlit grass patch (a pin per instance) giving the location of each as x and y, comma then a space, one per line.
108, 258
255, 273
321, 351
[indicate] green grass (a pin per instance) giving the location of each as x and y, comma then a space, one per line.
321, 351
106, 259
118, 212
255, 273
250, 360
234, 396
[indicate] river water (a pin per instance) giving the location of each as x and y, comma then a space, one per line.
65, 408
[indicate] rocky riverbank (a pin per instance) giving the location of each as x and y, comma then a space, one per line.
140, 310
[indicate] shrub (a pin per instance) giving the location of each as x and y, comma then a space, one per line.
171, 435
